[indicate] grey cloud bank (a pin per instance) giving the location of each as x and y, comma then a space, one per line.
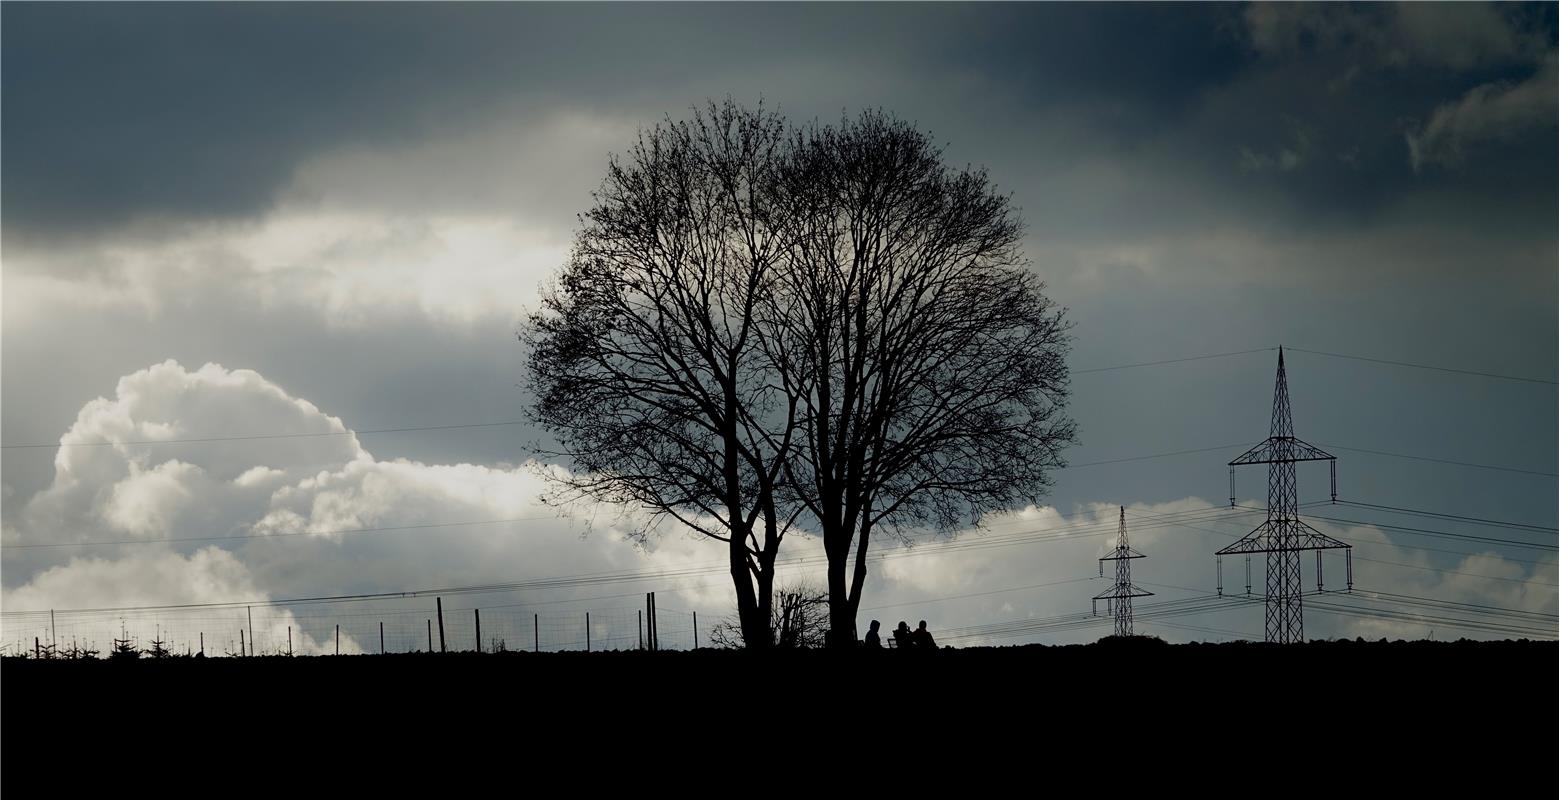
200, 112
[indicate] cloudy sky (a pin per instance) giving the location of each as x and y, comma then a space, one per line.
250, 220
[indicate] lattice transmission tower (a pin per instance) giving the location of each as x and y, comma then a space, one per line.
1283, 537
1118, 597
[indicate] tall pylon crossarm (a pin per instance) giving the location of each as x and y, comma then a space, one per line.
1118, 596
1283, 537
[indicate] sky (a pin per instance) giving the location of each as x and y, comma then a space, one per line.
241, 220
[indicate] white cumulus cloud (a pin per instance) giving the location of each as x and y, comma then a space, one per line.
307, 516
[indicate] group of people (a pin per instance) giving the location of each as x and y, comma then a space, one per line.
903, 637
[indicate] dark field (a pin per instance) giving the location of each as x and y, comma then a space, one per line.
564, 704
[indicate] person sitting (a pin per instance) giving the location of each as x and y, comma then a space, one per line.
902, 638
873, 640
922, 638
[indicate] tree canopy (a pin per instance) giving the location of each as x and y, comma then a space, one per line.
763, 325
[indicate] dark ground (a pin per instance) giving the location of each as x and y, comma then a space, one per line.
634, 710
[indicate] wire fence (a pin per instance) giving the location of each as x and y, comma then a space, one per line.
413, 626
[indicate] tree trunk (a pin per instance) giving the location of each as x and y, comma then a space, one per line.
841, 613
836, 542
755, 628
859, 578
764, 609
766, 556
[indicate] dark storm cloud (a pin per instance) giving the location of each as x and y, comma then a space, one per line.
1145, 59
203, 110
124, 113
1344, 88
120, 111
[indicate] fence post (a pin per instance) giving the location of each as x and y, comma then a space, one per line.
241, 651
477, 612
587, 631
53, 642
695, 630
252, 643
35, 648
440, 626
430, 636
381, 637
289, 641
202, 641
338, 639
536, 629
641, 630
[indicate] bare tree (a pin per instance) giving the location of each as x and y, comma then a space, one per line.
928, 364
759, 322
645, 360
798, 621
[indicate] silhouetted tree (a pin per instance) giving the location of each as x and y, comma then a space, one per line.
158, 648
758, 322
124, 650
645, 357
79, 651
802, 618
798, 621
927, 362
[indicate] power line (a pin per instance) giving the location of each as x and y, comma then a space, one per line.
1485, 625
1426, 531
1032, 536
1211, 604
507, 423
1082, 530
1480, 608
1459, 572
1445, 461
252, 437
1077, 530
1172, 360
407, 429
1085, 615
1381, 543
1166, 524
974, 594
1386, 542
1428, 367
1186, 606
1441, 534
1428, 621
1159, 455
1480, 520
1393, 563
352, 531
240, 537
1038, 535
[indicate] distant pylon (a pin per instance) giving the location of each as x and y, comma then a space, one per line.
1118, 597
1283, 537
